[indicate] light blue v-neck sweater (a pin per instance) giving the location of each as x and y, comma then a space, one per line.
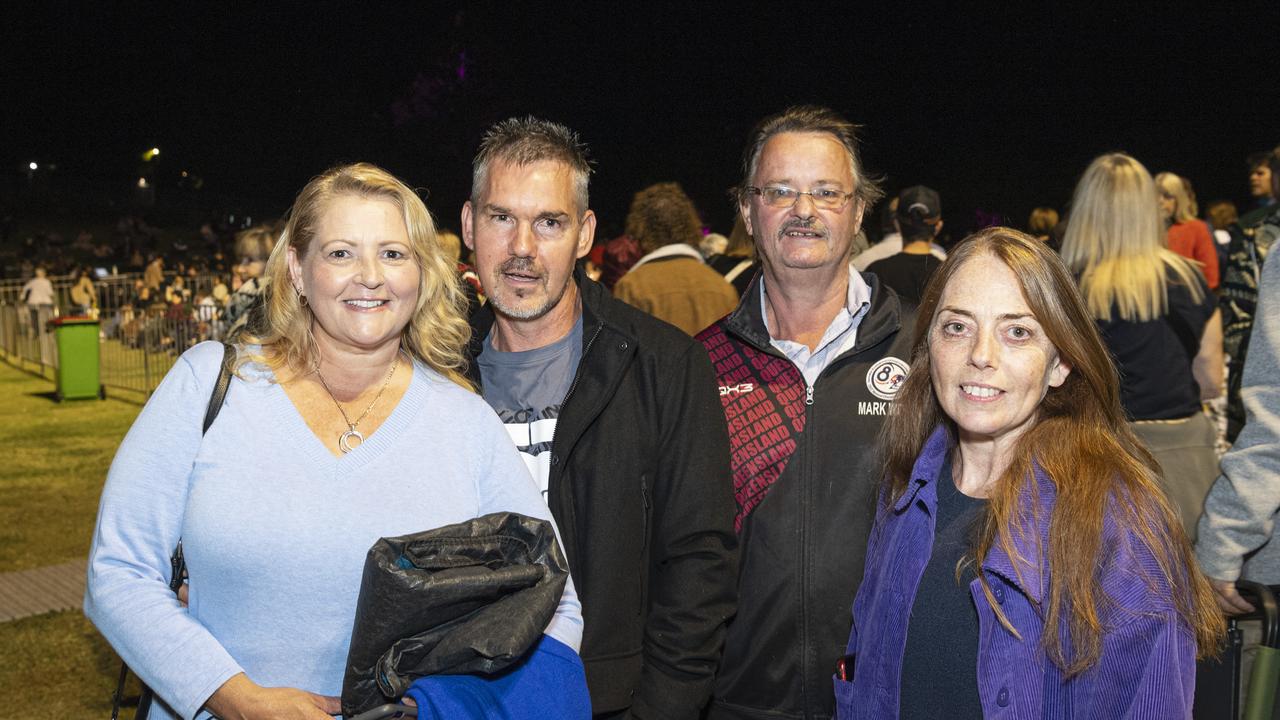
275, 528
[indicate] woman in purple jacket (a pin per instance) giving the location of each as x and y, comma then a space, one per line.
1024, 562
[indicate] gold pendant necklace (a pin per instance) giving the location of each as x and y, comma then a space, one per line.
344, 440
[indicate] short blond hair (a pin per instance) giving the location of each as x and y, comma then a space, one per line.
1175, 187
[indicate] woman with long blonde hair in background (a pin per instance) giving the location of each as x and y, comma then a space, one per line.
1158, 319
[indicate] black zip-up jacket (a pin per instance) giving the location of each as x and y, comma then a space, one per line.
804, 472
639, 488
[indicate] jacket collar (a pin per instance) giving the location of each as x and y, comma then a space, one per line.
670, 251
924, 473
883, 318
1028, 572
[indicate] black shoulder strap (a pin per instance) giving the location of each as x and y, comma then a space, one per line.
220, 388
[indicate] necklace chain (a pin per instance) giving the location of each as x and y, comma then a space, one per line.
344, 439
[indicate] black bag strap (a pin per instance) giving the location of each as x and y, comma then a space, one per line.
178, 564
220, 387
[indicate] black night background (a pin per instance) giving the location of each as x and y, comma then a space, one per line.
999, 107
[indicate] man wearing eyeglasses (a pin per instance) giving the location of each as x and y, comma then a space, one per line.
808, 366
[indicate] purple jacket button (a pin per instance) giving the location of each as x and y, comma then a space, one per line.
998, 592
1002, 697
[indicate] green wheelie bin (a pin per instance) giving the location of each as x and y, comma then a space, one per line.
78, 372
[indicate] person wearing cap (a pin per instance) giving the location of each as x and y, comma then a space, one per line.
919, 220
891, 243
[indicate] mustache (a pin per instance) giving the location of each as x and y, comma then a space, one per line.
808, 224
520, 264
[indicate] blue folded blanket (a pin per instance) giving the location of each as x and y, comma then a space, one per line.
548, 683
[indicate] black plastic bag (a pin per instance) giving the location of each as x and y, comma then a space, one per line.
466, 598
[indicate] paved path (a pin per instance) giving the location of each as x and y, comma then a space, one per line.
46, 589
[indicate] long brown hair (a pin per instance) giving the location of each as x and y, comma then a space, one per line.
1081, 441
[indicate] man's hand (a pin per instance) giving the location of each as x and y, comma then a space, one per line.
241, 699
1229, 599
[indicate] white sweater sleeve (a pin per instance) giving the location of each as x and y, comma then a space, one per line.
139, 523
505, 485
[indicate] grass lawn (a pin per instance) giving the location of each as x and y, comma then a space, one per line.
58, 666
53, 665
57, 459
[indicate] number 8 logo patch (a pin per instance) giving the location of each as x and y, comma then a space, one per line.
885, 378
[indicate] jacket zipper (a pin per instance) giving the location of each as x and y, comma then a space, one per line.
555, 465
644, 546
574, 385
806, 571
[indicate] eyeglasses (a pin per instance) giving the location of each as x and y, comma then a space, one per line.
781, 196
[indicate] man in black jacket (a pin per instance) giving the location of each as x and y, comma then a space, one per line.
808, 366
617, 416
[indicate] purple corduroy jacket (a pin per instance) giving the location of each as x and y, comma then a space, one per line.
1147, 668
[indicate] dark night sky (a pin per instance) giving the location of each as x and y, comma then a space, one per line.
997, 110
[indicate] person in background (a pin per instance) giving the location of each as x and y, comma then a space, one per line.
1041, 224
1237, 530
1221, 215
252, 248
712, 244
1187, 235
1251, 242
452, 245
738, 262
38, 296
84, 296
350, 396
177, 291
671, 281
619, 255
890, 244
1158, 319
153, 276
919, 220
1261, 187
1025, 562
219, 292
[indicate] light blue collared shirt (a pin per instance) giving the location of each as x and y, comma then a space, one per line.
841, 334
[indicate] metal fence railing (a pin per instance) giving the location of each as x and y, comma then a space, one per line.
113, 292
137, 345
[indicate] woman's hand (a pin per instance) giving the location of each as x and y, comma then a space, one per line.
1229, 599
242, 699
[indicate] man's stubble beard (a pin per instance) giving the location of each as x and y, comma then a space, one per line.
505, 310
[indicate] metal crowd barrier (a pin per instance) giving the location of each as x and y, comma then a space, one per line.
114, 291
137, 345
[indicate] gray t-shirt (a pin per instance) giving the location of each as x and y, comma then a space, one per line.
526, 389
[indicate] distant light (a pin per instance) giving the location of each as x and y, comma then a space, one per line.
142, 182
33, 166
184, 173
151, 154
